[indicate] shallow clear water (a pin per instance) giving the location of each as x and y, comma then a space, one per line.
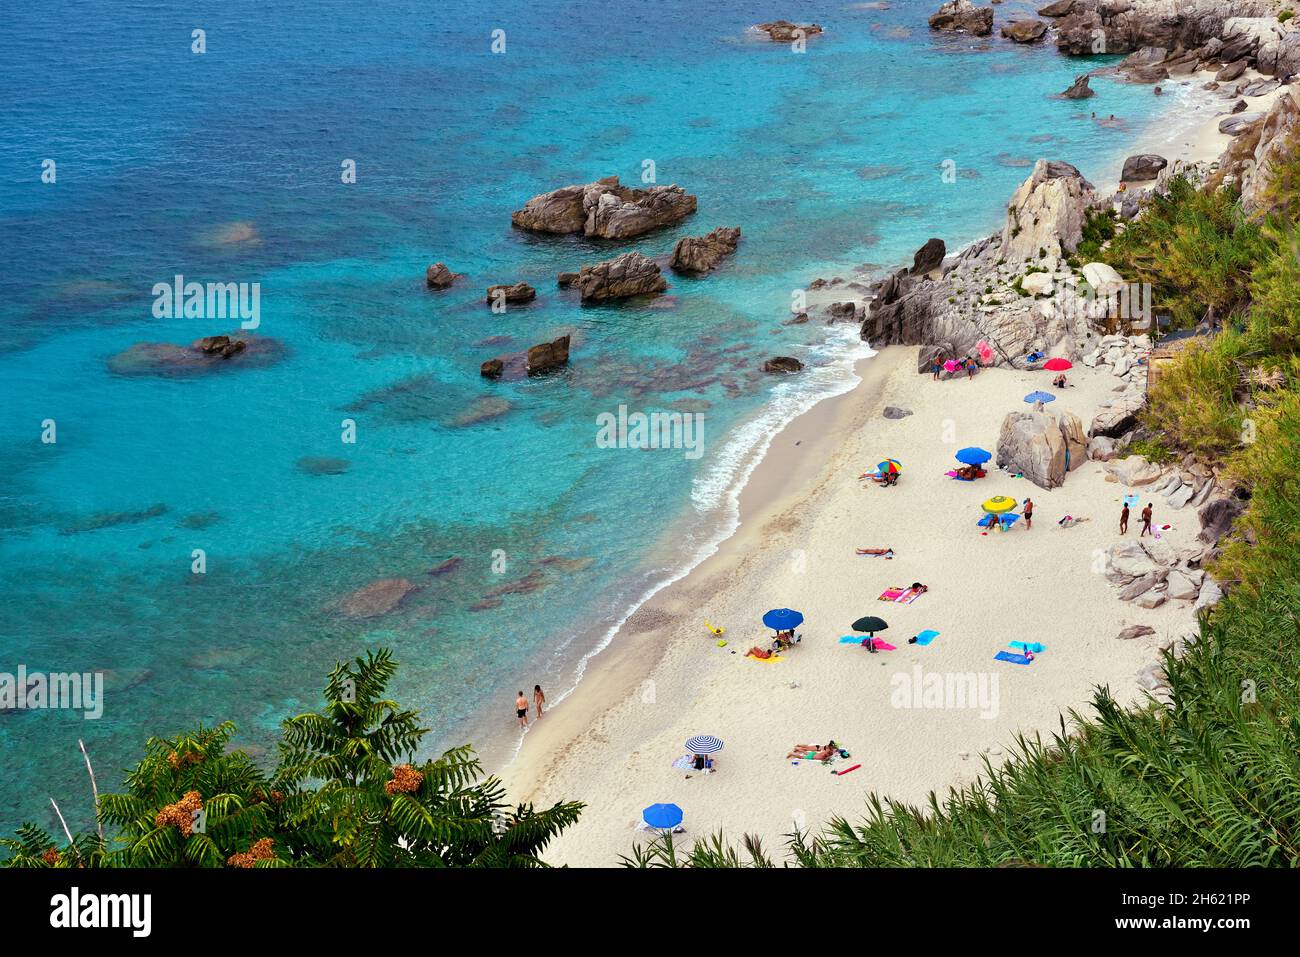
829, 160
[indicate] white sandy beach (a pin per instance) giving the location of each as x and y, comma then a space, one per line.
612, 743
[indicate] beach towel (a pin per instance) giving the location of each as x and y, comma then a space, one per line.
881, 644
908, 596
890, 594
764, 661
1036, 647
960, 478
927, 636
870, 554
684, 763
851, 640
1013, 658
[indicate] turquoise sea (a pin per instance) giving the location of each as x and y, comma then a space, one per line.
225, 166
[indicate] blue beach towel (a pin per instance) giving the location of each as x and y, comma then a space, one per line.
853, 639
927, 636
1014, 659
1036, 647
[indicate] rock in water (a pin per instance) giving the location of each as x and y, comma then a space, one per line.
377, 598
438, 276
929, 257
548, 355
322, 465
963, 15
1058, 9
1143, 167
1046, 213
783, 31
630, 274
514, 292
605, 209
782, 364
1024, 31
698, 254
1079, 89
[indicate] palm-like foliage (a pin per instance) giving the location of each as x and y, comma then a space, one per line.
346, 793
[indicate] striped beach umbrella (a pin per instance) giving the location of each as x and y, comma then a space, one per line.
704, 744
999, 504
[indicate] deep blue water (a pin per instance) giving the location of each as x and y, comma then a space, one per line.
828, 160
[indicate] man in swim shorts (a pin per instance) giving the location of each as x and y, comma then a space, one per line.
521, 710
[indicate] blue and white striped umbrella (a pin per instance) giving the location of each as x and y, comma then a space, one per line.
704, 744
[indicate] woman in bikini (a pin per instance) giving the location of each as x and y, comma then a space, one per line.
539, 699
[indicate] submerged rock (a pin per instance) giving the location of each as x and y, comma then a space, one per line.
322, 465
377, 598
783, 31
202, 356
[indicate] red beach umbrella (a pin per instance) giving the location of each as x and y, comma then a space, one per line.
1058, 365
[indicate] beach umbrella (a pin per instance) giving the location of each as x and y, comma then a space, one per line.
973, 456
999, 504
1058, 365
889, 465
704, 744
783, 619
662, 816
1040, 397
870, 624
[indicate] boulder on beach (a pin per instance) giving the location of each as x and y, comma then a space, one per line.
1240, 123
377, 598
630, 274
1231, 71
1024, 31
605, 209
783, 31
963, 15
1079, 89
438, 276
782, 364
1042, 446
513, 292
1142, 167
700, 254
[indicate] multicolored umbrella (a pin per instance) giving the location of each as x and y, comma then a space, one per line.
783, 619
1058, 365
889, 465
704, 744
973, 455
999, 504
1040, 397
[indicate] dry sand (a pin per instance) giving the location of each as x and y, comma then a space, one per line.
611, 744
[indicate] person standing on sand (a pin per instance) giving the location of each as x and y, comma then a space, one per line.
1029, 513
1123, 520
1146, 521
938, 366
539, 699
521, 710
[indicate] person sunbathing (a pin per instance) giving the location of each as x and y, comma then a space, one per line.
758, 652
818, 752
886, 552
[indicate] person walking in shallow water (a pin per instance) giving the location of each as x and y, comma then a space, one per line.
539, 699
1146, 521
1123, 520
521, 709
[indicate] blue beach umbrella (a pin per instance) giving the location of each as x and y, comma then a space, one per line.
1040, 397
973, 456
662, 815
783, 619
704, 744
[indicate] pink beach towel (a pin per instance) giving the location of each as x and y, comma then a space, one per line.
881, 644
890, 594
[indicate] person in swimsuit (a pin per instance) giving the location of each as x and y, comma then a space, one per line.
539, 699
1029, 513
1146, 521
937, 367
1123, 520
521, 710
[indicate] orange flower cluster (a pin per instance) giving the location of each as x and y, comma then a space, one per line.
51, 856
406, 780
178, 761
181, 813
259, 796
260, 851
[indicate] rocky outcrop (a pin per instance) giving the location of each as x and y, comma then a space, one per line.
1095, 27
1058, 9
1240, 123
1118, 417
512, 293
438, 276
1216, 517
1042, 446
783, 31
1280, 56
700, 254
377, 598
605, 209
566, 279
1024, 31
782, 364
540, 358
630, 274
929, 257
1142, 167
965, 16
1047, 212
1276, 136
201, 356
1079, 89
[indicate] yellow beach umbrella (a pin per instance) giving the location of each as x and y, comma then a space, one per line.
999, 504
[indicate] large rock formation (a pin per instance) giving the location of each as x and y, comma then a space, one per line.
1041, 445
1079, 89
1120, 26
1024, 31
698, 254
605, 209
963, 15
1142, 167
630, 274
929, 257
1276, 136
1047, 212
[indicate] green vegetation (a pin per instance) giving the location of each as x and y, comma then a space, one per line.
347, 792
1208, 779
1285, 15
